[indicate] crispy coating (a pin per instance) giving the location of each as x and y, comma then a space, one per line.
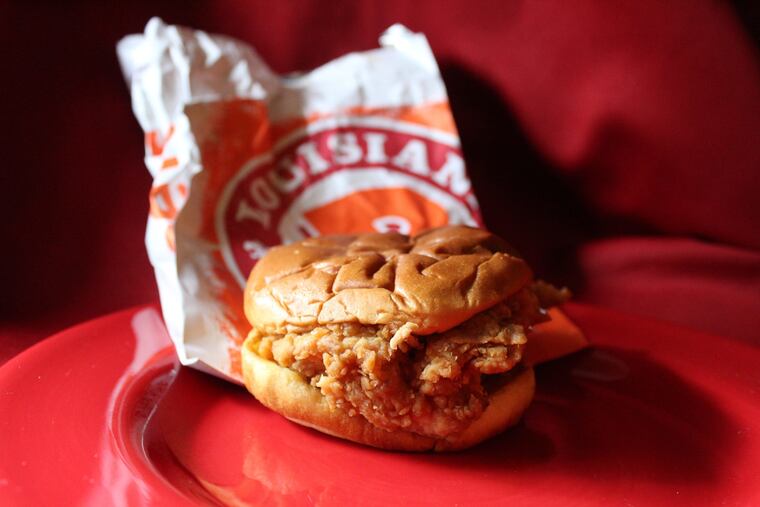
431, 385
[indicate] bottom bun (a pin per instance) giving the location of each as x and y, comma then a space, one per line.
289, 394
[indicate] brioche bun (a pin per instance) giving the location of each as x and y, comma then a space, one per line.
435, 280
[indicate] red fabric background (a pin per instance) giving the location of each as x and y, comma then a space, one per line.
617, 144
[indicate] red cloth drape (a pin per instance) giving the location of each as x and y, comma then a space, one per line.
617, 144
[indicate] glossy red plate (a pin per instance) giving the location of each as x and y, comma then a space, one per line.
101, 414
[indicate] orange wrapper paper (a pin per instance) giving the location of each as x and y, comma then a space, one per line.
243, 159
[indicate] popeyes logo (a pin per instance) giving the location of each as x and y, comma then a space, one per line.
358, 176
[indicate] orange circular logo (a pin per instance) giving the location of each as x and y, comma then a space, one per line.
344, 176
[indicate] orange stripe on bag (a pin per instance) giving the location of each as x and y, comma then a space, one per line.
170, 238
387, 209
169, 163
161, 202
155, 143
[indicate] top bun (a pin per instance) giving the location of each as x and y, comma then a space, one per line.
435, 280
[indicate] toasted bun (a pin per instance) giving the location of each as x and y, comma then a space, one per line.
288, 393
435, 280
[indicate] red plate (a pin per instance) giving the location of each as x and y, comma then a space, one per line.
654, 415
